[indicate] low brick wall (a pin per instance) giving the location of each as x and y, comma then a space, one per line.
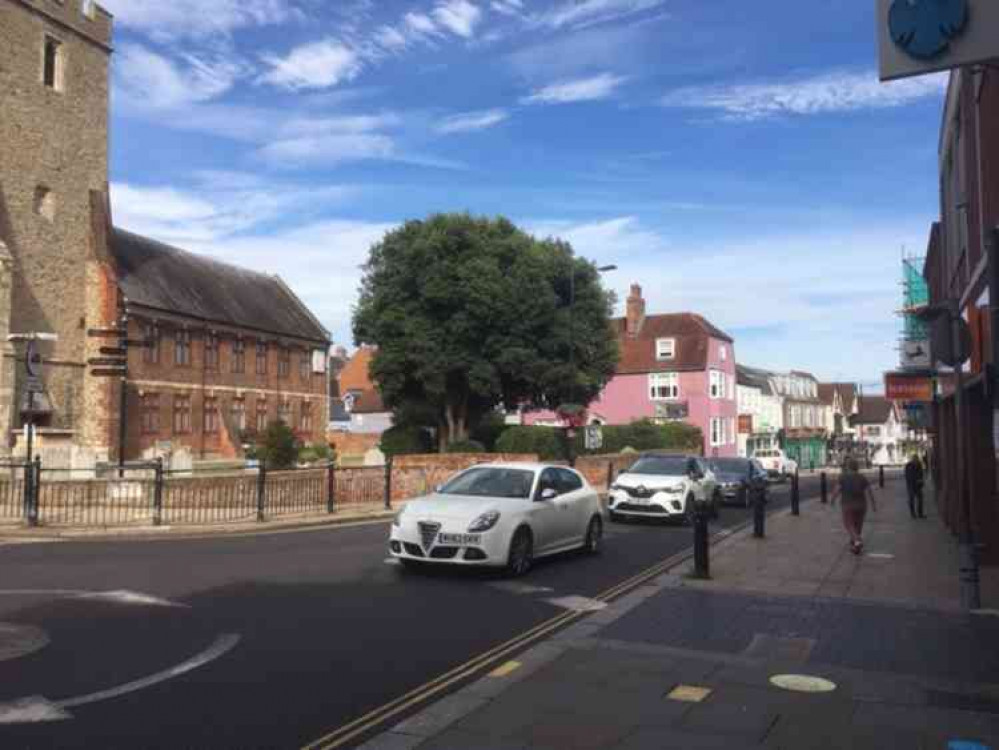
596, 469
352, 443
418, 474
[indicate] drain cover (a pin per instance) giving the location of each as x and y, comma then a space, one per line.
802, 683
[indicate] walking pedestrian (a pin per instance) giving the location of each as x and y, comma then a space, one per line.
914, 478
854, 490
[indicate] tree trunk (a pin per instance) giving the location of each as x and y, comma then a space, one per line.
454, 427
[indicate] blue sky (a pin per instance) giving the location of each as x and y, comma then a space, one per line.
738, 159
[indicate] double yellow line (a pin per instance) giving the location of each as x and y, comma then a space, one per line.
364, 724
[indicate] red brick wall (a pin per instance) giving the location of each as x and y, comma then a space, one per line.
167, 379
352, 443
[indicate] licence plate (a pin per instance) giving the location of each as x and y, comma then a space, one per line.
642, 501
459, 539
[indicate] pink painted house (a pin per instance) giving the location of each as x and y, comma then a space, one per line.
676, 366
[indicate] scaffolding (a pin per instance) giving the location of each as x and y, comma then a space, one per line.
914, 336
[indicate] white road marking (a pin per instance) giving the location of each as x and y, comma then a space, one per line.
120, 596
36, 708
880, 555
986, 612
512, 587
391, 561
578, 603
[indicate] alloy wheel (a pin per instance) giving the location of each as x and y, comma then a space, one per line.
521, 553
594, 536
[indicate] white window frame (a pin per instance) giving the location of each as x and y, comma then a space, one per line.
723, 352
716, 384
717, 430
665, 349
668, 380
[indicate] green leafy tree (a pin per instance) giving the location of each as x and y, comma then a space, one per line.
471, 313
278, 447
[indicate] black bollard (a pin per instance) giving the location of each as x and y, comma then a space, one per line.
823, 487
759, 516
881, 476
795, 495
702, 567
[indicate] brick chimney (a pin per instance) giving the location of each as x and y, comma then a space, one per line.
635, 311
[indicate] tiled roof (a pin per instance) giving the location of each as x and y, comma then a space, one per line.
691, 331
873, 410
161, 277
753, 377
827, 393
354, 376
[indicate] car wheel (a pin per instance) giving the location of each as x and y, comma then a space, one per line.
615, 517
594, 536
521, 556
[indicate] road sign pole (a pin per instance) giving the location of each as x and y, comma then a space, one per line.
123, 396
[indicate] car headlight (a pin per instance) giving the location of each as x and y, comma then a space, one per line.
672, 490
616, 487
397, 519
484, 522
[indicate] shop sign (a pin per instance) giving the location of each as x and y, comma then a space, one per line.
916, 37
903, 387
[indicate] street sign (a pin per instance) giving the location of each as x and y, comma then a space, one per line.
942, 341
33, 360
106, 362
916, 355
108, 372
900, 386
594, 438
104, 332
924, 36
113, 351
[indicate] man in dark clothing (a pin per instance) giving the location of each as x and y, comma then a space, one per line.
914, 484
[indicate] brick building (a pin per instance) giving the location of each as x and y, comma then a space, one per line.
65, 269
957, 270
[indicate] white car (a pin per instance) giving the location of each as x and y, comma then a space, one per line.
663, 486
776, 463
500, 515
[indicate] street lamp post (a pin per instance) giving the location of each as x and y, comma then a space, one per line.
569, 430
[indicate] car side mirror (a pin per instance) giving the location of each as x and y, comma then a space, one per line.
547, 494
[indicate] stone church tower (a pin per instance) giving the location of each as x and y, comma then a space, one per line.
54, 62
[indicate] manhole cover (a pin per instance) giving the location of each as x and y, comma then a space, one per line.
802, 683
20, 640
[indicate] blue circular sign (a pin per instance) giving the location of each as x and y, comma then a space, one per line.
925, 28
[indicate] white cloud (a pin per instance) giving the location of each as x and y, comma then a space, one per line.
317, 65
165, 19
470, 121
458, 16
331, 148
581, 13
829, 92
808, 305
578, 90
148, 80
507, 7
420, 24
391, 39
221, 205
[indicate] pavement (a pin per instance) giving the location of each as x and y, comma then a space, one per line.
794, 644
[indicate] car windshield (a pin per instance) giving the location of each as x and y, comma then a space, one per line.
765, 454
667, 466
729, 465
491, 482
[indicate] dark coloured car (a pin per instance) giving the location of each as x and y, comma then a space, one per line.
740, 480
